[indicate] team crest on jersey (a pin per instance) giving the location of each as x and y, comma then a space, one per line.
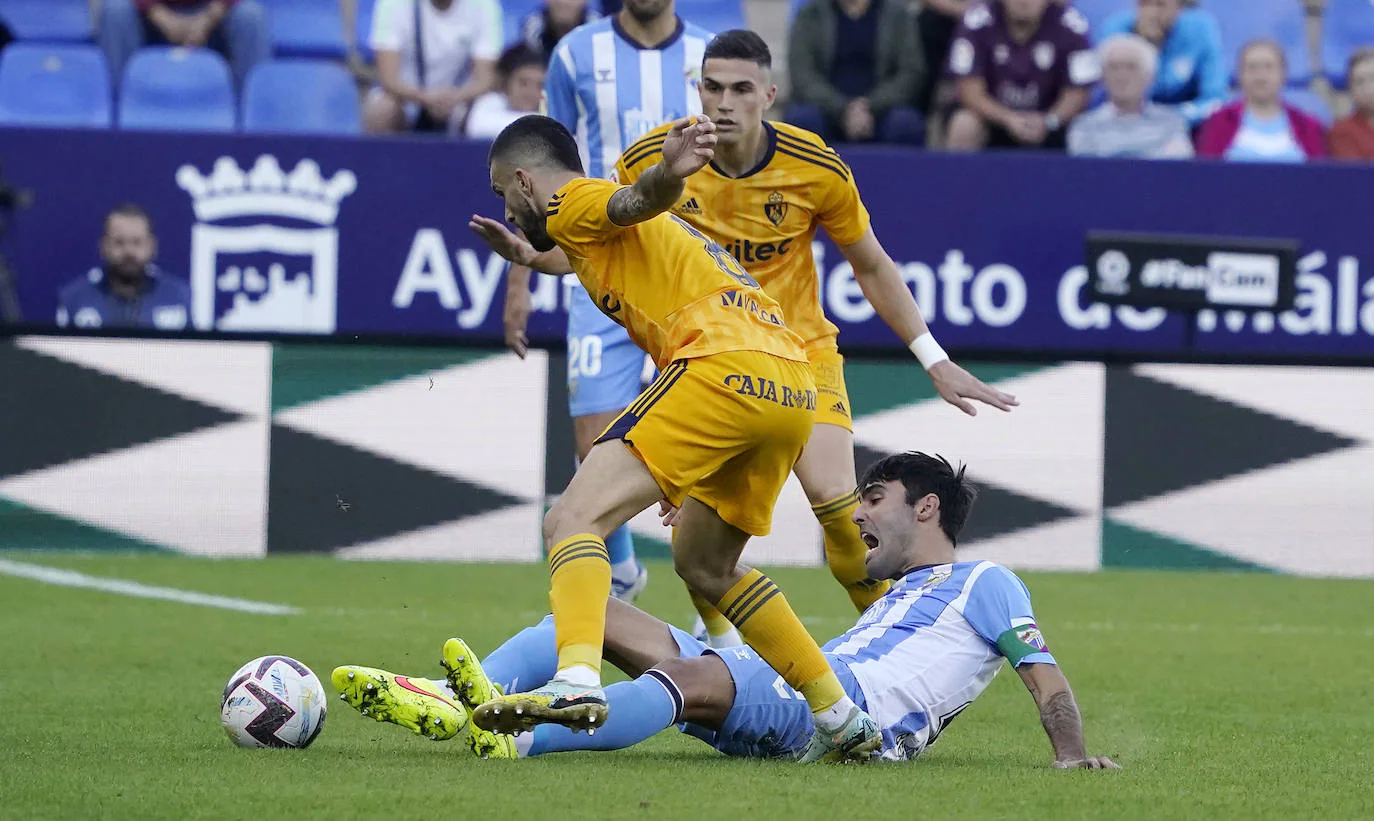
1043, 54
776, 208
935, 579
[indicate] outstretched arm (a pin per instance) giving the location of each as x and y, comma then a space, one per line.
688, 147
885, 289
1060, 717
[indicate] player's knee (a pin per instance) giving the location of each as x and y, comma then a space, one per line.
700, 574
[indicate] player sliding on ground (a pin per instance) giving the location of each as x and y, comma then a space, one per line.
916, 659
715, 436
768, 189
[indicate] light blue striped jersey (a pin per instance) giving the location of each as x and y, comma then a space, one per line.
609, 91
927, 649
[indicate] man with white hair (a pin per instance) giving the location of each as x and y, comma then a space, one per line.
1128, 124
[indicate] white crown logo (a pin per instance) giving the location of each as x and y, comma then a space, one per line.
266, 190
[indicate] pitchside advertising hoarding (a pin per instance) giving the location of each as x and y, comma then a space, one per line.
368, 238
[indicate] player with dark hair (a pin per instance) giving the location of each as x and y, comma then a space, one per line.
763, 197
917, 658
715, 436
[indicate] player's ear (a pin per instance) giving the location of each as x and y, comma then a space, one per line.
769, 97
927, 507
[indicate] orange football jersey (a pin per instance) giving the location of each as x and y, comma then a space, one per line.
677, 293
767, 218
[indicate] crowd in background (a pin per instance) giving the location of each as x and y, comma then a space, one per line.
1124, 78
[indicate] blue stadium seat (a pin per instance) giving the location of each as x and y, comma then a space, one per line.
1310, 102
307, 28
514, 11
177, 89
54, 85
50, 20
713, 15
301, 97
1281, 20
1097, 12
1348, 26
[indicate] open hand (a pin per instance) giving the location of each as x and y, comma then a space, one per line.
956, 386
502, 240
689, 146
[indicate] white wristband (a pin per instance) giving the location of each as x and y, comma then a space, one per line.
928, 350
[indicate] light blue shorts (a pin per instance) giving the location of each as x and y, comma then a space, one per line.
606, 370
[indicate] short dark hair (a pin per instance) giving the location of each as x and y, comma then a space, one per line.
128, 209
739, 44
920, 474
1360, 56
517, 57
536, 140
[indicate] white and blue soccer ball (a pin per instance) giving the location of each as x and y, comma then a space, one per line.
273, 701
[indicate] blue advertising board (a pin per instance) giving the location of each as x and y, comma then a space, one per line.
369, 238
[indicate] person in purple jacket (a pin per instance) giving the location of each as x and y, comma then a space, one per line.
1024, 69
1261, 127
127, 290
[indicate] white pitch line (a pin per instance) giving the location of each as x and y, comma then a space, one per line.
70, 578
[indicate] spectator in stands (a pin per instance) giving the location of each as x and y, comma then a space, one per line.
1024, 68
238, 29
1261, 127
1353, 137
127, 290
434, 57
935, 25
521, 70
544, 27
855, 68
1128, 124
1192, 74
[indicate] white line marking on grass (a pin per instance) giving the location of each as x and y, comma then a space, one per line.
71, 578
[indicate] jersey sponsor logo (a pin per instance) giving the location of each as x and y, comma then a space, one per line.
610, 305
689, 207
747, 251
776, 208
265, 271
740, 299
768, 390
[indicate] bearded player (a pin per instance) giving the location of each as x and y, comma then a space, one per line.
918, 658
762, 197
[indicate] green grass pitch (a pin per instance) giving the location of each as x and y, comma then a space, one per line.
1223, 695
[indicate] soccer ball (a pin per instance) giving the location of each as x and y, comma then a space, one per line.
273, 701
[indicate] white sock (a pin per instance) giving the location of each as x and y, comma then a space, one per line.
625, 572
729, 638
833, 717
523, 743
580, 675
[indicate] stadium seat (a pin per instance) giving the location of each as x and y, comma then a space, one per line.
1281, 20
177, 89
1310, 102
54, 85
514, 11
48, 20
301, 97
1348, 26
307, 28
1097, 12
713, 15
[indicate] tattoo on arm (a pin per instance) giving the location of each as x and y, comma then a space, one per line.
1063, 724
653, 193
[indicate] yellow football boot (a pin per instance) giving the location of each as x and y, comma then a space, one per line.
468, 679
417, 704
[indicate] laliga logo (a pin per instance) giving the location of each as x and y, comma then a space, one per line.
239, 273
1113, 273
